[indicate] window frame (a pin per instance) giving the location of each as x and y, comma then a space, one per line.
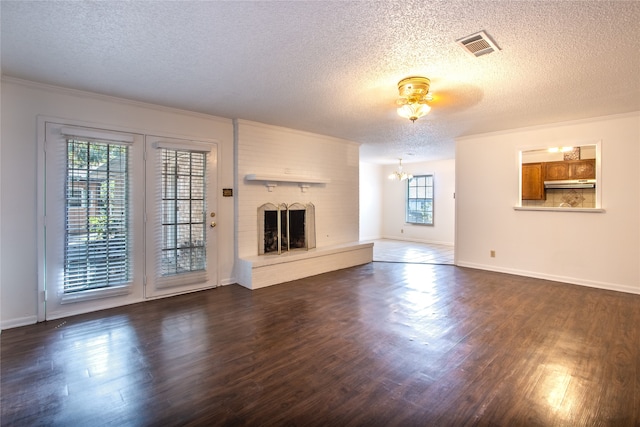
428, 188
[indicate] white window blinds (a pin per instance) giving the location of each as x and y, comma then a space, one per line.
97, 241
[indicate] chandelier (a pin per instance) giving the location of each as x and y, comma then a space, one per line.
399, 175
414, 95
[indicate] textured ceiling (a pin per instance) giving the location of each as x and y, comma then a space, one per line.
332, 67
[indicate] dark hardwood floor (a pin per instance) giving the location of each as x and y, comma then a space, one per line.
381, 344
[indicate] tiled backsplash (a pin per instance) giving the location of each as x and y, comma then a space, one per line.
575, 198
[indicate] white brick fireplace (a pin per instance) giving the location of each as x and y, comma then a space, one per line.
282, 166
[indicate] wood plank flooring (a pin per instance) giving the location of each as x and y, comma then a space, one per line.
384, 344
389, 250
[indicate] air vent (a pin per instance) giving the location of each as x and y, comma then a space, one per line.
478, 44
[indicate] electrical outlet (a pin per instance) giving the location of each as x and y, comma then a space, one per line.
493, 253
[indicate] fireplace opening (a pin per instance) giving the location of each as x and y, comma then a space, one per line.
271, 231
284, 228
296, 229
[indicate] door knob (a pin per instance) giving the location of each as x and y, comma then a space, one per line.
213, 224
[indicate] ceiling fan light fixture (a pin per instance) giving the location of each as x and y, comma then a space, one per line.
413, 111
414, 95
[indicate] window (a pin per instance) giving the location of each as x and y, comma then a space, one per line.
419, 208
96, 207
183, 211
181, 215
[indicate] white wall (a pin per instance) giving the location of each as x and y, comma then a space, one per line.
272, 150
1, 144
371, 202
594, 249
22, 102
394, 195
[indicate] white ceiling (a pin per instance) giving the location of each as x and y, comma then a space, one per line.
332, 67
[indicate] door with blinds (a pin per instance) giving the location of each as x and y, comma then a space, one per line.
93, 222
181, 217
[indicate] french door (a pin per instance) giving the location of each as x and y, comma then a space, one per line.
125, 217
181, 216
93, 230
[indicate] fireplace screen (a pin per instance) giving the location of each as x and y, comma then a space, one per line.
284, 228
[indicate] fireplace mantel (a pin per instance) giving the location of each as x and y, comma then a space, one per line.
271, 181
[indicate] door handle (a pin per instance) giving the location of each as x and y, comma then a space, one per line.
213, 224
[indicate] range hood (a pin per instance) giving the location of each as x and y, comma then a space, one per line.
570, 183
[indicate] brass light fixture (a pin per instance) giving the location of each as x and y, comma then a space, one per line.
414, 95
399, 175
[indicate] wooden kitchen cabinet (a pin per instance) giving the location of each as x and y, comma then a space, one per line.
583, 169
556, 171
570, 169
532, 181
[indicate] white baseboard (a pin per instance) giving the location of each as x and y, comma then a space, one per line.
563, 279
370, 238
229, 281
21, 321
428, 242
